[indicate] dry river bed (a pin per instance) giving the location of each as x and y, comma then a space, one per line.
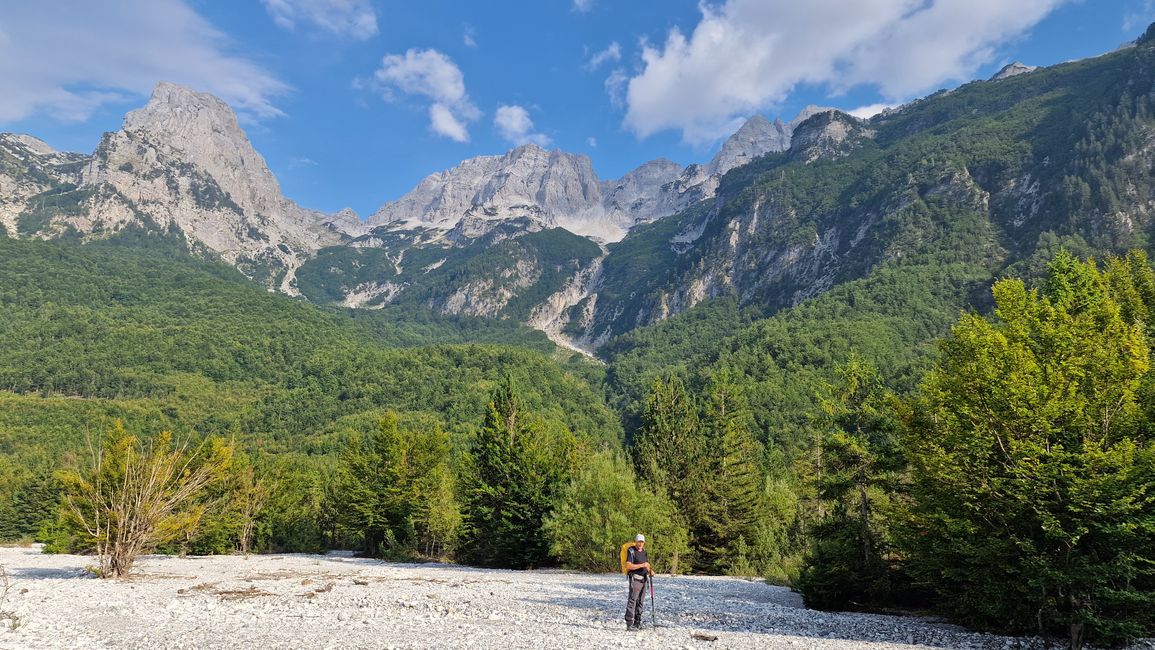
337, 601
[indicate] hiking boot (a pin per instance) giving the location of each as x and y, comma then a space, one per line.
630, 627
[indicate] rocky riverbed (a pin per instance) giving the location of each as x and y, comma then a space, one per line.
338, 601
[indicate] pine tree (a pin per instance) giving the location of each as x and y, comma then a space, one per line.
670, 450
735, 478
856, 466
389, 482
516, 468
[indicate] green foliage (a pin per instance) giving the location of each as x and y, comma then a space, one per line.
43, 208
857, 467
297, 516
734, 478
29, 494
670, 451
603, 507
431, 274
394, 488
1032, 467
1030, 441
517, 466
142, 332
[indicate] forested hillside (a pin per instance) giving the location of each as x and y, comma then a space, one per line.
164, 341
983, 175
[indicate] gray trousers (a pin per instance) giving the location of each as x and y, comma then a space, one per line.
637, 600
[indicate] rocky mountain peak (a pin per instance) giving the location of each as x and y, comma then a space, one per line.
347, 221
205, 131
828, 134
756, 137
809, 111
172, 105
555, 187
642, 193
1148, 36
183, 160
33, 145
1013, 70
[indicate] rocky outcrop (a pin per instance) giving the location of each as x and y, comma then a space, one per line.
346, 222
34, 178
757, 137
553, 188
660, 197
181, 163
558, 189
554, 315
829, 134
640, 193
1013, 70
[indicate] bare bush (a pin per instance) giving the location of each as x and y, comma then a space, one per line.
252, 497
7, 617
133, 496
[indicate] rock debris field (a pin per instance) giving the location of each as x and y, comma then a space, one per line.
338, 601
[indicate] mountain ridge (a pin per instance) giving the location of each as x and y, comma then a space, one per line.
769, 219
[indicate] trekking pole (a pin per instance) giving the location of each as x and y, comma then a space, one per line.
653, 615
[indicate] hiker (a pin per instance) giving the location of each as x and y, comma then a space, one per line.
638, 571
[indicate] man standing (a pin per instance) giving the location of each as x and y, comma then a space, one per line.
637, 570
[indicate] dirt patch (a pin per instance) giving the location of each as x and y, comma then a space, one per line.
241, 594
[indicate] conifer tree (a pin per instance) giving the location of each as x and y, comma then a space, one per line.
734, 478
389, 481
670, 451
516, 468
856, 467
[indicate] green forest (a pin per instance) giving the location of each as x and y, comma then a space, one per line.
854, 481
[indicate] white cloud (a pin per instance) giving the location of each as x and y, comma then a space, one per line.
350, 18
583, 5
870, 110
612, 53
468, 37
443, 122
616, 85
515, 125
747, 55
432, 75
592, 142
67, 58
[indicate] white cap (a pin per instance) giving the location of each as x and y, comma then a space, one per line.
640, 538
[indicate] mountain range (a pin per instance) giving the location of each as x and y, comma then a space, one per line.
182, 164
782, 213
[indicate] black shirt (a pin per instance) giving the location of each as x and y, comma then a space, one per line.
634, 556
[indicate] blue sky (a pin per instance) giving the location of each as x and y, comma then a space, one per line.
352, 102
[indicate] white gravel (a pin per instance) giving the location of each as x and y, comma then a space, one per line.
337, 601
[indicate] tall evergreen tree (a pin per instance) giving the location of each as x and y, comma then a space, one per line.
734, 479
389, 480
857, 465
516, 468
669, 449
